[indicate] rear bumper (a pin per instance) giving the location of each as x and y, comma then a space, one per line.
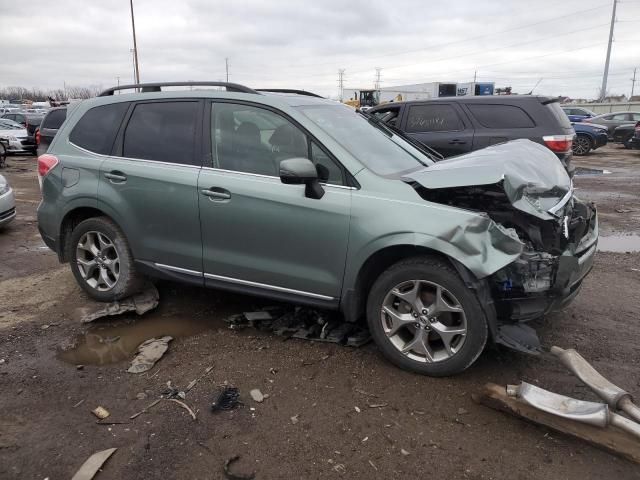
635, 142
565, 159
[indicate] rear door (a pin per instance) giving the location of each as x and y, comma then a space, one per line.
497, 123
149, 184
439, 125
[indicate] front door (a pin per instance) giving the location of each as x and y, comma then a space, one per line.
149, 184
439, 126
257, 232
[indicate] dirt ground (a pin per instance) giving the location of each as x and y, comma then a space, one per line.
354, 415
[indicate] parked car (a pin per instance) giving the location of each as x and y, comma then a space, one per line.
457, 125
30, 122
7, 203
302, 199
16, 136
578, 114
7, 109
588, 137
49, 127
624, 133
635, 140
613, 120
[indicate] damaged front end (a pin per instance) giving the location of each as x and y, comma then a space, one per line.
523, 188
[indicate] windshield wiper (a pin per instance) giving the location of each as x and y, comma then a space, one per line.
424, 149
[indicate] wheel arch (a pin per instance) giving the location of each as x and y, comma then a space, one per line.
590, 136
72, 219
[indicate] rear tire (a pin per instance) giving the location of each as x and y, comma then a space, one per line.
424, 318
582, 145
101, 260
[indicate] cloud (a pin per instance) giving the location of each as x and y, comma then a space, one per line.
303, 44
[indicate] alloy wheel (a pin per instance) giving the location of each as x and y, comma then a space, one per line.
424, 321
581, 146
98, 261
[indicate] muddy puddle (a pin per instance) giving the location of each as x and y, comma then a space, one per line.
619, 243
591, 171
111, 342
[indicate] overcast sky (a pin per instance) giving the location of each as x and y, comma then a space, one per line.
302, 44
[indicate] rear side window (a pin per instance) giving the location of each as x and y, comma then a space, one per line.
556, 110
433, 118
162, 131
619, 117
97, 128
501, 116
54, 119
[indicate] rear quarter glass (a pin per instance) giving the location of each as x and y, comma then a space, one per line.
558, 114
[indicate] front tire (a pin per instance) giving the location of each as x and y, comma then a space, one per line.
582, 145
424, 318
101, 260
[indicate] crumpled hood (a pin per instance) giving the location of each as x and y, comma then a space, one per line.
532, 177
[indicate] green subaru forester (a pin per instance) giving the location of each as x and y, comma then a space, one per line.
297, 198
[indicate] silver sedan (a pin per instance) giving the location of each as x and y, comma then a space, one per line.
7, 203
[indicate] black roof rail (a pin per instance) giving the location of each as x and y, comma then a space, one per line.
289, 90
157, 87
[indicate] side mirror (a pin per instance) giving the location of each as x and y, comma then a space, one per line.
298, 171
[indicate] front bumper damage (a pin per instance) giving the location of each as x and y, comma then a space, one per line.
541, 282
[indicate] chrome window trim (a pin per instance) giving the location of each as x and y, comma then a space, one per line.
143, 160
178, 269
258, 175
563, 201
266, 286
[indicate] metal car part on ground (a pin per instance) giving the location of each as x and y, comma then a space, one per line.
338, 212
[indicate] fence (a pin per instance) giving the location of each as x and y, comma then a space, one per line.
607, 107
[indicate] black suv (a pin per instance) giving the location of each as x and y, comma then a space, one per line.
50, 125
453, 126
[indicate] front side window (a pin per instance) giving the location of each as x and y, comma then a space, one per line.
433, 118
162, 131
96, 130
620, 117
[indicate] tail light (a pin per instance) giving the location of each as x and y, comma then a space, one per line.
38, 137
46, 163
637, 127
558, 143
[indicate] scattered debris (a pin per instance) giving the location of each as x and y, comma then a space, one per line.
462, 411
194, 382
145, 409
365, 439
295, 419
185, 406
373, 465
141, 396
79, 367
236, 476
256, 395
140, 303
79, 403
625, 210
227, 399
377, 405
149, 352
357, 409
304, 323
340, 468
100, 412
404, 452
362, 392
93, 464
173, 392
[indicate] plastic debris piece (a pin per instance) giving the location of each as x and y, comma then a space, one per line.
140, 303
236, 476
295, 419
257, 395
185, 406
93, 464
227, 399
100, 412
149, 352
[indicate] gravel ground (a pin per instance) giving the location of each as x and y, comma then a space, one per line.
331, 412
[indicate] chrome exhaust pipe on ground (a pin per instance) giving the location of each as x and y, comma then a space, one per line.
592, 413
614, 396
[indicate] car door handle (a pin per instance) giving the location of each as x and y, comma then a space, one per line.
455, 141
116, 177
216, 194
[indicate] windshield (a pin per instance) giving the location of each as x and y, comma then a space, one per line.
369, 141
6, 124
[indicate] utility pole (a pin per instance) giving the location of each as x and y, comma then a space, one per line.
633, 82
475, 76
377, 83
226, 65
341, 83
135, 45
118, 80
603, 89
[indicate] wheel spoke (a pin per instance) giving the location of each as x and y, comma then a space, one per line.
104, 278
448, 334
440, 305
89, 267
398, 320
419, 344
409, 296
104, 242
